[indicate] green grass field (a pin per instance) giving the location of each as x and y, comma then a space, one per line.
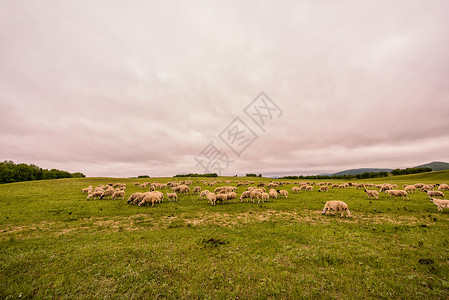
56, 244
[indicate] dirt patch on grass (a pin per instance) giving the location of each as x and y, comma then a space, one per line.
147, 222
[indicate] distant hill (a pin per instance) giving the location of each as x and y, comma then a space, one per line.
361, 171
435, 166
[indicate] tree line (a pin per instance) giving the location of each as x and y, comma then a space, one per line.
12, 172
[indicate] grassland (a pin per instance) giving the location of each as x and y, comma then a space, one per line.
56, 244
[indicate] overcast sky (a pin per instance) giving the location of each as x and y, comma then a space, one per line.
125, 88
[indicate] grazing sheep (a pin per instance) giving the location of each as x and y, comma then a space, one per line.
397, 193
221, 197
372, 193
309, 188
443, 187
256, 194
265, 197
118, 194
87, 190
184, 189
410, 189
172, 196
108, 192
96, 194
283, 193
211, 197
273, 193
197, 189
337, 206
245, 195
440, 203
149, 198
324, 188
436, 194
295, 189
232, 196
203, 194
132, 197
360, 185
427, 187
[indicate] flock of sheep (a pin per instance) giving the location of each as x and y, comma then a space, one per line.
259, 193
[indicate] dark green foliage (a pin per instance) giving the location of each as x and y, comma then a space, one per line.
408, 171
143, 176
11, 172
197, 175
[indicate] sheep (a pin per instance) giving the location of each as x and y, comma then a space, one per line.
295, 189
203, 194
87, 190
221, 197
232, 196
197, 189
309, 188
108, 192
283, 193
132, 197
211, 197
273, 193
149, 198
337, 206
324, 188
372, 193
397, 193
172, 196
427, 187
245, 195
184, 189
256, 194
443, 187
303, 187
118, 194
96, 194
440, 203
265, 197
410, 189
360, 185
436, 194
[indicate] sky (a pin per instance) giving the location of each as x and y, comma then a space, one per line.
127, 88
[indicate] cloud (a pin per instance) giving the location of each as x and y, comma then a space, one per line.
119, 89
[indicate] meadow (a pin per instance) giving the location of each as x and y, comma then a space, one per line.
56, 244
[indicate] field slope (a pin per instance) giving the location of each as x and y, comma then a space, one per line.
56, 244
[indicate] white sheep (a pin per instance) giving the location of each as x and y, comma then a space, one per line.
324, 188
118, 194
443, 187
440, 203
283, 193
273, 193
211, 197
221, 197
232, 196
397, 193
149, 198
436, 194
245, 195
295, 189
337, 206
372, 193
108, 192
256, 194
265, 197
172, 196
410, 189
203, 194
197, 189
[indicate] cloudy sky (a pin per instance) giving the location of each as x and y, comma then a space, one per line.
125, 88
